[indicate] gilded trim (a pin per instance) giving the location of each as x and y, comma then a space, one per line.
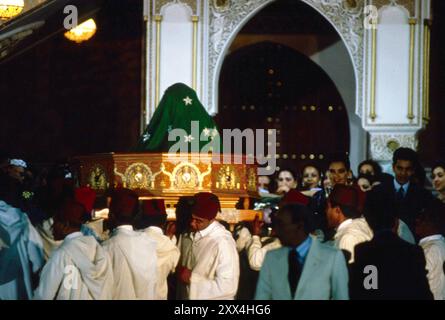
373, 114
427, 71
158, 19
204, 174
123, 178
412, 26
195, 20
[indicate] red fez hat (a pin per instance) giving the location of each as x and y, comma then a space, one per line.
294, 197
206, 205
123, 202
85, 196
349, 196
71, 211
154, 207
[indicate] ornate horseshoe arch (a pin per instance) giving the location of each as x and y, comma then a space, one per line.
225, 25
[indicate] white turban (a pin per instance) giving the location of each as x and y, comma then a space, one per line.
18, 163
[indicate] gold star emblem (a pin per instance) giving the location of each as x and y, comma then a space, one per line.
187, 101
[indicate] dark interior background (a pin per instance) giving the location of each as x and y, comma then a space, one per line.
269, 86
60, 99
432, 138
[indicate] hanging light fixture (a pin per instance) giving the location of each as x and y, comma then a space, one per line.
10, 8
82, 32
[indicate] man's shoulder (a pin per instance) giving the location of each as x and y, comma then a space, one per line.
161, 239
154, 234
219, 232
274, 254
386, 183
81, 239
108, 242
114, 239
434, 247
222, 238
325, 249
141, 237
62, 252
419, 191
365, 246
358, 228
405, 245
395, 244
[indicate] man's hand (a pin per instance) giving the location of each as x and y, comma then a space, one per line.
256, 226
282, 190
184, 275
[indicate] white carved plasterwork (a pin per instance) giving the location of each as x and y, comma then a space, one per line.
383, 145
224, 25
159, 4
409, 5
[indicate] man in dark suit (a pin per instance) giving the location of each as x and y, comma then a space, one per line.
409, 197
387, 267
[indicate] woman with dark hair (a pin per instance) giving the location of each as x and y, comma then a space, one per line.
313, 185
438, 177
311, 178
287, 179
370, 167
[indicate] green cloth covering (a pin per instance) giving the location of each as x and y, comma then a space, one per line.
178, 108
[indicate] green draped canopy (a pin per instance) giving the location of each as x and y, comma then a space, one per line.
178, 109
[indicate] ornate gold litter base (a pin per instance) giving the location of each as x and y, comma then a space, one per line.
170, 176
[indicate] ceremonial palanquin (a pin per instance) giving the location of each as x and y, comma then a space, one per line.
169, 176
158, 170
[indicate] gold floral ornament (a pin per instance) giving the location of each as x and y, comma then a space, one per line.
350, 4
138, 176
83, 32
227, 178
221, 5
251, 180
393, 145
97, 178
186, 177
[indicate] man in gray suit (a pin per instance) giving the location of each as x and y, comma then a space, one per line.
304, 268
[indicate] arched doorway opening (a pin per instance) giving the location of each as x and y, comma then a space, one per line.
298, 27
270, 86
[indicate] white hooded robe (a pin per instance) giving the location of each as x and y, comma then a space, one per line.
80, 269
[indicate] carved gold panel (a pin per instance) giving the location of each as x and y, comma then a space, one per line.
97, 178
186, 176
138, 176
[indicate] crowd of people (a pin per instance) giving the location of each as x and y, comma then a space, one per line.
322, 234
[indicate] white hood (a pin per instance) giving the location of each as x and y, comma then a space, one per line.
92, 262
